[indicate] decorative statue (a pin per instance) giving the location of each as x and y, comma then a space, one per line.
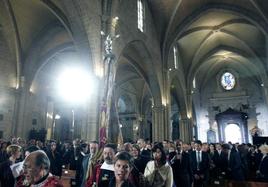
255, 131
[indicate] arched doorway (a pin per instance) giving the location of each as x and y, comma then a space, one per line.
233, 133
232, 126
127, 117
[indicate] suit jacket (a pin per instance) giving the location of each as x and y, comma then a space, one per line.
264, 169
6, 176
203, 166
146, 154
182, 170
257, 159
139, 167
84, 168
73, 158
66, 156
55, 163
216, 159
233, 166
79, 171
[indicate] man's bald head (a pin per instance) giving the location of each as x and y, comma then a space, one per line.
42, 160
36, 165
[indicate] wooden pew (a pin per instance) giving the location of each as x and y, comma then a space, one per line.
246, 184
67, 177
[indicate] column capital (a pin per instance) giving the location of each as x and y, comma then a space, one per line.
159, 108
185, 129
185, 120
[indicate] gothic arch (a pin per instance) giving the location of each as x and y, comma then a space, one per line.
248, 18
143, 63
179, 94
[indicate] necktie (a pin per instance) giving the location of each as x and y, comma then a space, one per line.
198, 159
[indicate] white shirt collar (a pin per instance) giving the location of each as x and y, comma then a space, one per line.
107, 166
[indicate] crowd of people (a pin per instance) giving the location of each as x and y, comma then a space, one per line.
132, 164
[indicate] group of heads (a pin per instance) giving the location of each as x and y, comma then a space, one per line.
36, 163
123, 161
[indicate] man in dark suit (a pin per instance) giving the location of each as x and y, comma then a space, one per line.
182, 169
83, 153
200, 165
144, 152
231, 163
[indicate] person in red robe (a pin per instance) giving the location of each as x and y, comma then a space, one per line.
36, 171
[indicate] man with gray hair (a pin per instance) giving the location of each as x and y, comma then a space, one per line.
36, 170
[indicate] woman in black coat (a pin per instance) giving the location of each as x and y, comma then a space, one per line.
55, 160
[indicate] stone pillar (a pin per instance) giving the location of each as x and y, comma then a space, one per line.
92, 127
186, 131
265, 91
21, 128
159, 128
84, 121
14, 125
50, 119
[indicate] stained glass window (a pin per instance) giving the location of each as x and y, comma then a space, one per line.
228, 81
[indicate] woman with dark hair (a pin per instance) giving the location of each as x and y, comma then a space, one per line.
55, 160
158, 172
122, 167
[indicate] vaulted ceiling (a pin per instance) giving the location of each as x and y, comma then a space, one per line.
213, 35
23, 24
209, 34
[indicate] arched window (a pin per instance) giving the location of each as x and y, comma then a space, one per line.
125, 104
121, 105
194, 83
175, 54
233, 133
141, 15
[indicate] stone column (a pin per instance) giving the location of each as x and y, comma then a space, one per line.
186, 131
14, 125
50, 119
92, 127
22, 127
159, 128
265, 91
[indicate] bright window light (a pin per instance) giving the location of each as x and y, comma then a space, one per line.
57, 116
233, 133
140, 15
194, 85
75, 85
175, 57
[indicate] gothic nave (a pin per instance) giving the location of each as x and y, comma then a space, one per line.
158, 69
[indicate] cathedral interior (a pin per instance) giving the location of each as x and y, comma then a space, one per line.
155, 69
